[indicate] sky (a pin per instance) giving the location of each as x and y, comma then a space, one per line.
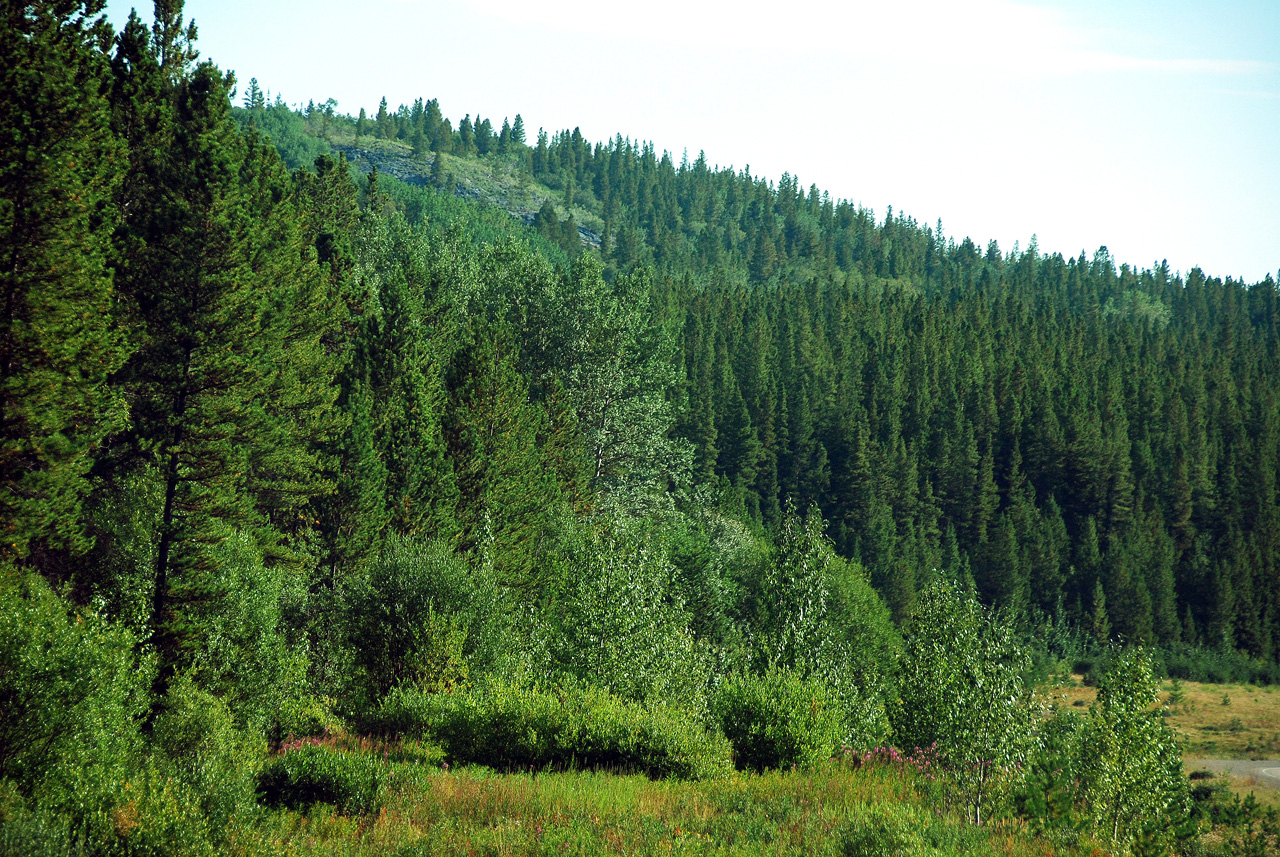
1149, 126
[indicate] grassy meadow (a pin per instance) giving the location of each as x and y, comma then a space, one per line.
877, 808
1212, 721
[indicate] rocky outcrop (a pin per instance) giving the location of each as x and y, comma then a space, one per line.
418, 171
405, 169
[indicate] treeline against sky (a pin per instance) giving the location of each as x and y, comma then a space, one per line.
1090, 442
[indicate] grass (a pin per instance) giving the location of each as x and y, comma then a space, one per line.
834, 809
1212, 721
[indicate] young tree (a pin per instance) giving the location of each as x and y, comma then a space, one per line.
960, 691
1131, 768
618, 363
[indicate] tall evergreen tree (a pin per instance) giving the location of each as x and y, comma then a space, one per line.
59, 335
230, 386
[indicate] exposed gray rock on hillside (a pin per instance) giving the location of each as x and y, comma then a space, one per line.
418, 171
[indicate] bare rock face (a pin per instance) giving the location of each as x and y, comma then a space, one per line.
396, 166
418, 172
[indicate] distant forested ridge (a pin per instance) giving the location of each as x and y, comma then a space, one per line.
1089, 441
723, 469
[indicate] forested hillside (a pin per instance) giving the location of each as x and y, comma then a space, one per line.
299, 465
1092, 442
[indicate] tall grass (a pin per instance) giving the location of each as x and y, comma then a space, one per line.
876, 809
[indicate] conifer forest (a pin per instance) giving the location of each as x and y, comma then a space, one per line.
349, 462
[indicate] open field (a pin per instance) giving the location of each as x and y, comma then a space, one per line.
832, 810
1212, 721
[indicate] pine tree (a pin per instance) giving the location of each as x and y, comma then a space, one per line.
517, 130
382, 124
59, 337
506, 485
466, 137
504, 137
404, 362
253, 97
230, 386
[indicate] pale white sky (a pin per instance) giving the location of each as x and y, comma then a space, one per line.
1150, 126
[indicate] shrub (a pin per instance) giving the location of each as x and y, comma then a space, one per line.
778, 720
421, 616
1205, 664
303, 717
200, 747
818, 615
314, 773
27, 834
71, 691
508, 727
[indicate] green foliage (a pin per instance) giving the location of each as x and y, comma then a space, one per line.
960, 692
793, 629
72, 689
422, 616
1047, 793
287, 131
779, 720
1131, 775
118, 574
29, 834
508, 493
616, 625
299, 776
572, 726
1205, 664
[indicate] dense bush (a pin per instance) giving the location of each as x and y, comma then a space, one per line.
72, 689
199, 747
778, 720
422, 615
314, 773
1201, 663
508, 727
243, 657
